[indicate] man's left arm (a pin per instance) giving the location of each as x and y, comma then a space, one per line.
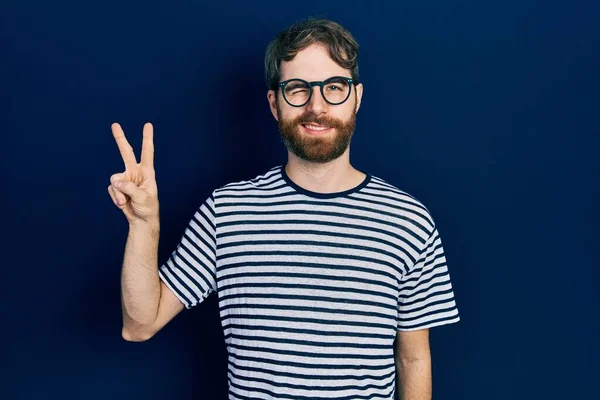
413, 365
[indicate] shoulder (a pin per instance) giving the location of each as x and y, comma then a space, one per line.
265, 180
406, 204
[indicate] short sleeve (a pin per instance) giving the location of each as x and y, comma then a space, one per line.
190, 271
426, 297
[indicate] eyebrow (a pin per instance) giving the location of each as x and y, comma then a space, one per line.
316, 80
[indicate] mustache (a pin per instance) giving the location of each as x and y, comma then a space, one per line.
311, 118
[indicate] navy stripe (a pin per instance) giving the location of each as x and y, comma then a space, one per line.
434, 322
302, 265
298, 397
304, 308
428, 305
328, 322
310, 365
224, 299
307, 276
236, 327
366, 356
240, 367
305, 286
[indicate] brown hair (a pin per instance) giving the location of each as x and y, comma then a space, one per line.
340, 43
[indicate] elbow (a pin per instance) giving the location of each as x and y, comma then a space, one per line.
135, 336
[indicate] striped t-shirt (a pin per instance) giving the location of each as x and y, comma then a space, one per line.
313, 287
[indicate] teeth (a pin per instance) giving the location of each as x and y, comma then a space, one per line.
316, 128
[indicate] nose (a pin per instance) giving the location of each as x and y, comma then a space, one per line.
317, 104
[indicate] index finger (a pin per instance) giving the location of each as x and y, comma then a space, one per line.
148, 145
124, 146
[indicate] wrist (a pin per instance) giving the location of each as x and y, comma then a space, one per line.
152, 223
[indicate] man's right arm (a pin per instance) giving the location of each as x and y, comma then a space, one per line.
147, 303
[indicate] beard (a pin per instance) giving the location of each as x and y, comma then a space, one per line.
317, 149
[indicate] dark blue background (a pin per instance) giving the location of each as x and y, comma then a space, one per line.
488, 113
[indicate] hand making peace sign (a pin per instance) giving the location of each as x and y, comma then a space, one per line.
134, 191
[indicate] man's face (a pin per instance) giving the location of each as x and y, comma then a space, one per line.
301, 127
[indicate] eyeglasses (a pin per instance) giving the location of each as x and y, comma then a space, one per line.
298, 92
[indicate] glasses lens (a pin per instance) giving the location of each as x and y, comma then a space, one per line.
336, 90
296, 92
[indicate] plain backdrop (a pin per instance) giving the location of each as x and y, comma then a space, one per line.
487, 112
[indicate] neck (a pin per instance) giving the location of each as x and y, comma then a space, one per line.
335, 176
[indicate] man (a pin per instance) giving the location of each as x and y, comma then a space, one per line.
328, 278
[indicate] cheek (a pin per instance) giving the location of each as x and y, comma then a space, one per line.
288, 114
343, 113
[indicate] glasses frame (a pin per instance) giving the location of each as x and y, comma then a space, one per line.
321, 84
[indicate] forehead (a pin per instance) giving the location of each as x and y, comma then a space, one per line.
312, 64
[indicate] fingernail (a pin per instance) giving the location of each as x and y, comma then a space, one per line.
118, 184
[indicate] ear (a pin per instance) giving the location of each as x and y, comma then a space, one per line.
272, 98
359, 92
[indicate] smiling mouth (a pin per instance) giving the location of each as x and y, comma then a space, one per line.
315, 128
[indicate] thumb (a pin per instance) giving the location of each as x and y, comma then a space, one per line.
130, 189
